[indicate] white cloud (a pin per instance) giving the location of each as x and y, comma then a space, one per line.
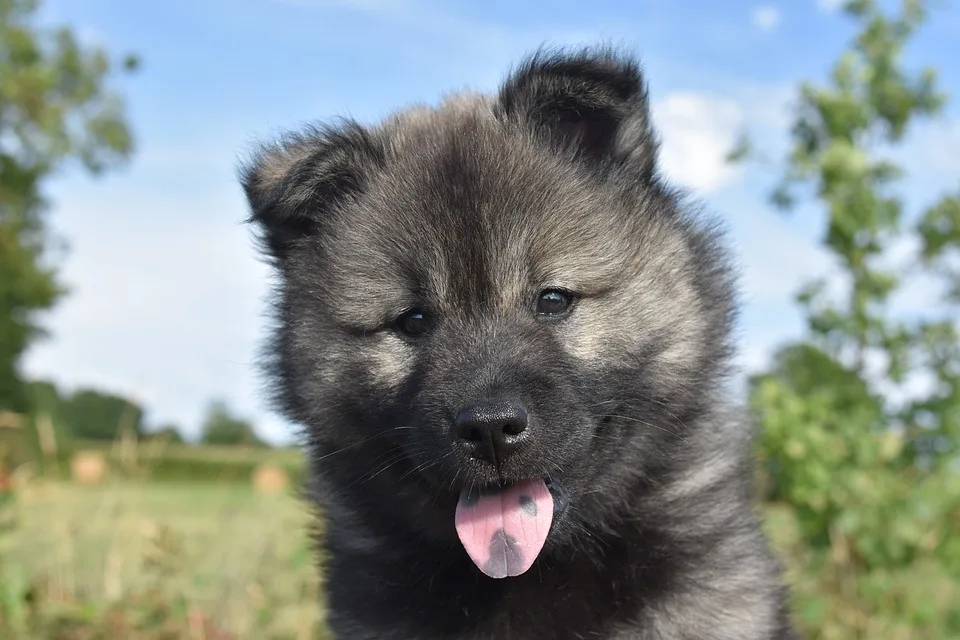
698, 131
167, 292
938, 143
766, 17
830, 6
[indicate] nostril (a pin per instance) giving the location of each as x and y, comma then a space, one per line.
470, 433
514, 427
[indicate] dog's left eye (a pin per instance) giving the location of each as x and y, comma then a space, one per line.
552, 302
413, 323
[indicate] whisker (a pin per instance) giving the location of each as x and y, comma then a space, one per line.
645, 423
362, 442
425, 465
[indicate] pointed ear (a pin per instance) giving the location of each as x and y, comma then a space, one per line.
292, 185
592, 104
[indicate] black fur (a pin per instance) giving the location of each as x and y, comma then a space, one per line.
466, 212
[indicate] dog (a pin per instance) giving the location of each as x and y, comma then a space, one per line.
508, 341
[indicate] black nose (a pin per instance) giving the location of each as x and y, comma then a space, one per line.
491, 431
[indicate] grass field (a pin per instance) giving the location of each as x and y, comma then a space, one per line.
138, 560
142, 560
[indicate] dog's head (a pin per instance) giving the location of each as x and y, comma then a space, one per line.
496, 290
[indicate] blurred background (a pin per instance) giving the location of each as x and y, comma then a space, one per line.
147, 492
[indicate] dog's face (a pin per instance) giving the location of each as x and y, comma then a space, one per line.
493, 291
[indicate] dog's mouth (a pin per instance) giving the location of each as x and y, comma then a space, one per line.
503, 529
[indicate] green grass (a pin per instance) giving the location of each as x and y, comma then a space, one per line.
170, 462
141, 561
206, 452
161, 550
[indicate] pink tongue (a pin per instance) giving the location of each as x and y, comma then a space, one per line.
504, 530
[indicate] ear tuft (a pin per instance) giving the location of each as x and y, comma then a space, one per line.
591, 103
293, 184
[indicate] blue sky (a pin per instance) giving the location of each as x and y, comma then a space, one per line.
167, 301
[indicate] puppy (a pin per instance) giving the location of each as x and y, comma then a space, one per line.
507, 339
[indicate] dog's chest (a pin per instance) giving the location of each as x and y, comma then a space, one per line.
535, 607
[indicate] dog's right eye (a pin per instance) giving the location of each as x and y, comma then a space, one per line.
413, 323
554, 302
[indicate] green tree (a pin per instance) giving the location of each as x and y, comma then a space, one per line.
168, 433
47, 431
55, 108
861, 463
221, 427
95, 415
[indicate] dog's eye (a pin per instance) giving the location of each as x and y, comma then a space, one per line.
553, 301
413, 323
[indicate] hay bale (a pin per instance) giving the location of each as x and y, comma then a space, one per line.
88, 467
11, 420
270, 478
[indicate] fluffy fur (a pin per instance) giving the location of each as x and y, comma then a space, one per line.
467, 211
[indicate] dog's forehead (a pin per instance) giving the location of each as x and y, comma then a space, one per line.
472, 192
467, 212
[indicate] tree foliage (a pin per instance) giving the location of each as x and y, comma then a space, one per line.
97, 415
221, 427
860, 421
167, 433
55, 108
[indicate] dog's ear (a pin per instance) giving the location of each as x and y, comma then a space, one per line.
293, 184
591, 103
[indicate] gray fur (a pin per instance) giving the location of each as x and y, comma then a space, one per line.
467, 211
